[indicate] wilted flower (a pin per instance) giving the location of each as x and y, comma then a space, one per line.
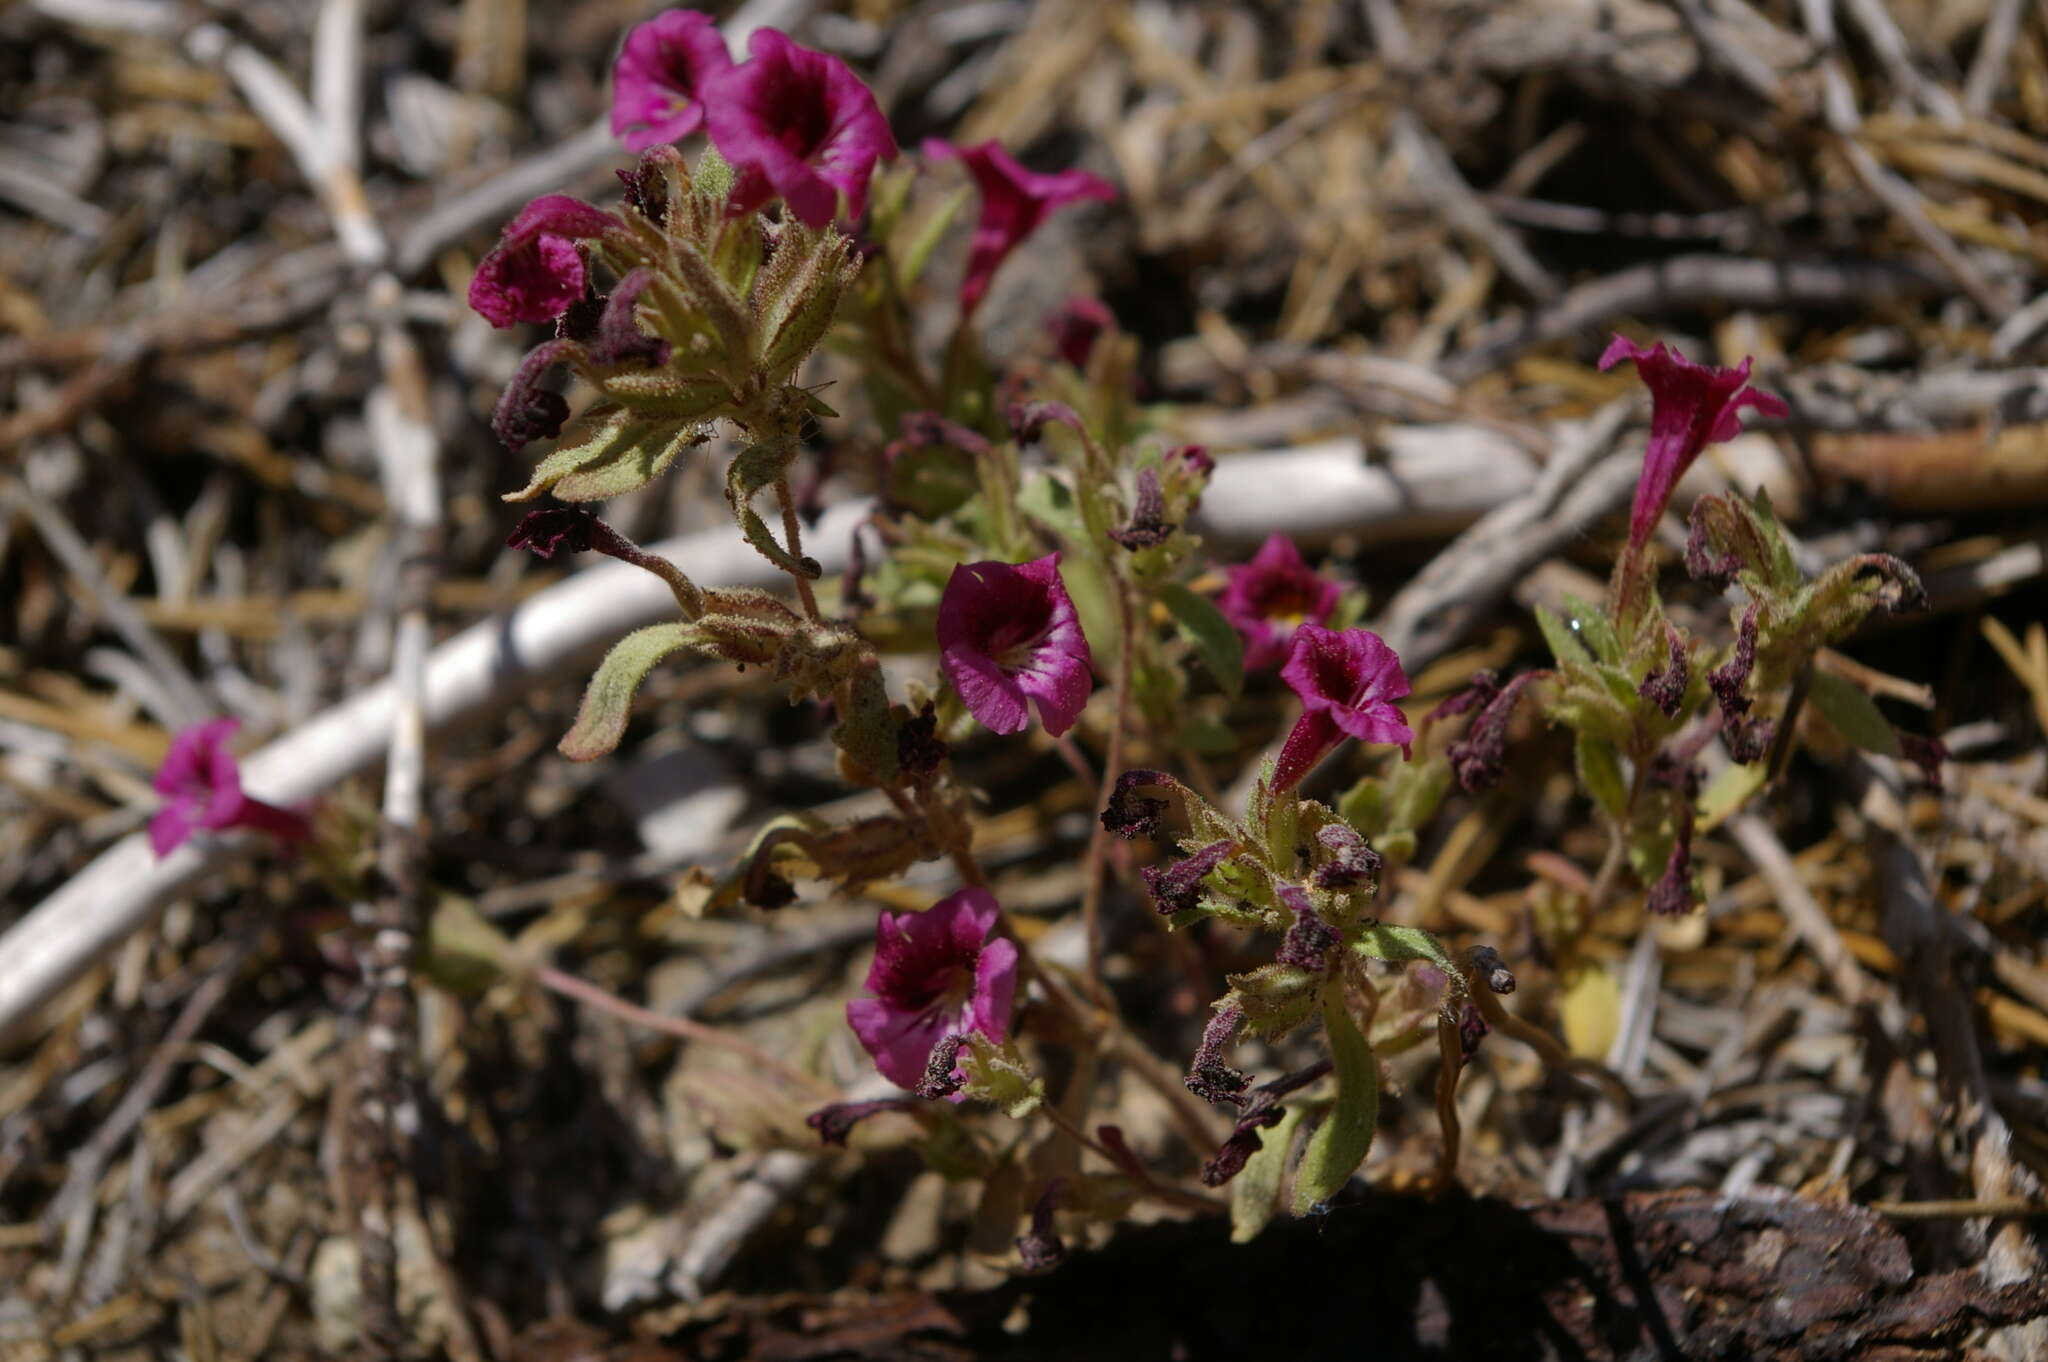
660, 73
1014, 201
1270, 597
1348, 683
202, 789
797, 123
1009, 632
936, 974
1177, 887
1692, 406
536, 271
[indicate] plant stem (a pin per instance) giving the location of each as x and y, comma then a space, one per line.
793, 533
1113, 764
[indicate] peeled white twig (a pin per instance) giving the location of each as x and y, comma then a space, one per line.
1433, 480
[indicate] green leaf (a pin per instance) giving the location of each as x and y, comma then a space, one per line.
651, 449
1340, 1143
1214, 638
1565, 644
1729, 790
999, 1074
1050, 502
1854, 714
1600, 773
931, 230
1390, 942
603, 432
752, 469
1590, 623
1255, 1192
608, 701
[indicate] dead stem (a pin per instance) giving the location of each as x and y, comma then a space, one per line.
1113, 765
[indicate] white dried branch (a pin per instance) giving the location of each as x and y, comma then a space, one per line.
1434, 480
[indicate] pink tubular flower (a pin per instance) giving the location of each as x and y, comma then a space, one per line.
536, 270
1692, 406
1076, 327
796, 123
936, 974
663, 65
1348, 683
1008, 633
1013, 202
202, 789
1270, 597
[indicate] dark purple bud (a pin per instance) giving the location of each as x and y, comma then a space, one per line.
1746, 739
1489, 969
1027, 419
919, 749
1901, 590
647, 187
1477, 757
1148, 525
619, 339
555, 529
835, 1122
1042, 1249
1926, 753
1477, 694
1665, 686
1197, 457
526, 411
1177, 888
939, 1079
1472, 1028
1309, 939
579, 321
1209, 1078
1671, 895
925, 428
1130, 814
1701, 562
1263, 1111
1355, 863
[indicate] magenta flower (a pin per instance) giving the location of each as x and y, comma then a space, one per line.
796, 123
1008, 633
1348, 683
1013, 202
655, 84
936, 974
1692, 406
1272, 596
536, 270
202, 789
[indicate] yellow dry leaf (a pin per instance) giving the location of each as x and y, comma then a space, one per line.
1591, 1012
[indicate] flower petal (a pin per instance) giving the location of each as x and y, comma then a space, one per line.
664, 64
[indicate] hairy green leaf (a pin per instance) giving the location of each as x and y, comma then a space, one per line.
1854, 714
1600, 773
1340, 1143
1255, 1193
1391, 942
1214, 638
608, 701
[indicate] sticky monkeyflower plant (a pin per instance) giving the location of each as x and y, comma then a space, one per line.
1030, 541
1645, 698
